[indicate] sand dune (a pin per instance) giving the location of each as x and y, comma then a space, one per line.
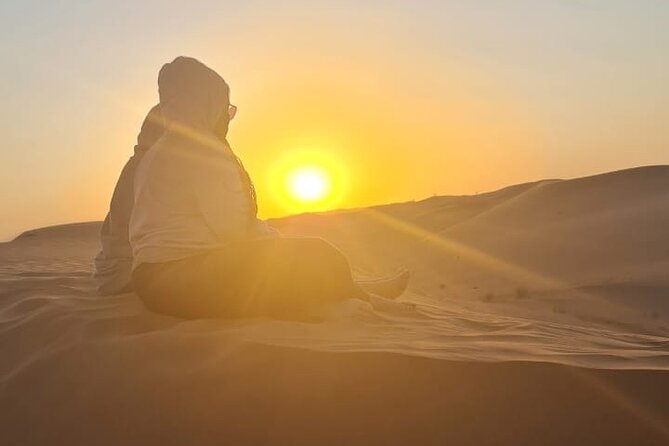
542, 318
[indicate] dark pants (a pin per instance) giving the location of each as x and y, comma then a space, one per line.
284, 278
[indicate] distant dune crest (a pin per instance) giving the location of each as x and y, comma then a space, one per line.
612, 189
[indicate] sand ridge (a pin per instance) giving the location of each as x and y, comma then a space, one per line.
570, 273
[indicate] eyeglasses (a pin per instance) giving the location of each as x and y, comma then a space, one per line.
232, 111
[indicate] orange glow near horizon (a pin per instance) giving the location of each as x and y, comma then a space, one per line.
400, 107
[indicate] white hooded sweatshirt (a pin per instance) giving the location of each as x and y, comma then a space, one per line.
189, 193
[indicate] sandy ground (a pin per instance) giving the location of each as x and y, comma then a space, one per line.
542, 318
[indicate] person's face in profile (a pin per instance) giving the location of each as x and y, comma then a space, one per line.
223, 124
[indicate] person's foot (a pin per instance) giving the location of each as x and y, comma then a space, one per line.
388, 287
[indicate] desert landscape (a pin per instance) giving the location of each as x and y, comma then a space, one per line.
333, 223
541, 317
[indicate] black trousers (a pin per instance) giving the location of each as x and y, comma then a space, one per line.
282, 277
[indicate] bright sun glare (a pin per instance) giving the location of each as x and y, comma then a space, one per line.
308, 180
308, 184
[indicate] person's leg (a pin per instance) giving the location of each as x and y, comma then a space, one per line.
288, 277
185, 288
277, 277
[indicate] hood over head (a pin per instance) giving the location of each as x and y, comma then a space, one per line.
153, 128
192, 95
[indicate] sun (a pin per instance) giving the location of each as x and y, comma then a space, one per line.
307, 180
308, 184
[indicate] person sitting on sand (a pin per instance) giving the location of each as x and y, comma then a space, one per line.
199, 249
113, 264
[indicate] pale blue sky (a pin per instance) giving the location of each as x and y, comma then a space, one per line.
585, 83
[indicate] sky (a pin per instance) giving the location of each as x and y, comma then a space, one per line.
401, 100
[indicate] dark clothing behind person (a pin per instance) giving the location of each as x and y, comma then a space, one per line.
113, 264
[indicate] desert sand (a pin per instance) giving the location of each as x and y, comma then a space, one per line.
542, 317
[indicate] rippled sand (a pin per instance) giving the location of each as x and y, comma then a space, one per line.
566, 272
